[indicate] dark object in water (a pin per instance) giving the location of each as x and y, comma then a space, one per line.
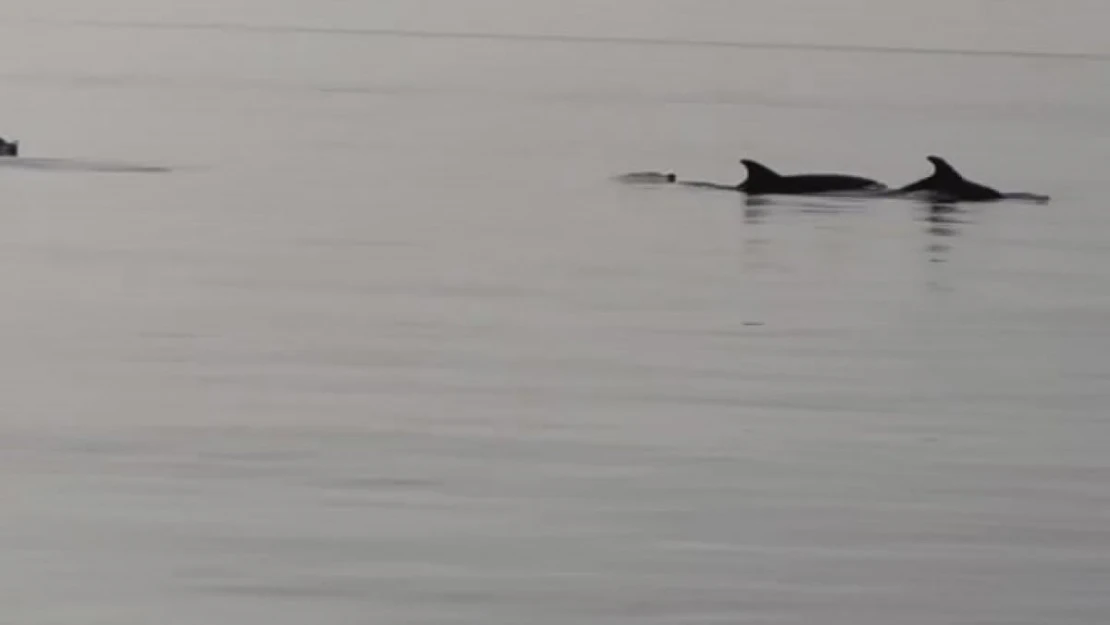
946, 184
648, 177
9, 148
762, 180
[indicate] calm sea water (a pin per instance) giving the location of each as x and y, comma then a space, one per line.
329, 312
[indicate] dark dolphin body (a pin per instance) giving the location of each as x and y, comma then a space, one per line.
948, 185
9, 148
944, 186
762, 180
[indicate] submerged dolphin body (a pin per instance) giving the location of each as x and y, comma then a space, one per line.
647, 177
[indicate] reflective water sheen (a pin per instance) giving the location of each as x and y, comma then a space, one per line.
332, 312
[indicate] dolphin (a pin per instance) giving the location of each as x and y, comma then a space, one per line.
9, 148
762, 180
946, 184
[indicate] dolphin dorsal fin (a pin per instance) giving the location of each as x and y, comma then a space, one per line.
758, 172
943, 169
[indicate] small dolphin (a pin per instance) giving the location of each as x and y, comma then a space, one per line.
948, 185
762, 180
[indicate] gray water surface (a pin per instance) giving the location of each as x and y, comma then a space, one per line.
331, 312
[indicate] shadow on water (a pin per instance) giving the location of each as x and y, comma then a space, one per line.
755, 244
755, 211
79, 165
943, 223
942, 219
